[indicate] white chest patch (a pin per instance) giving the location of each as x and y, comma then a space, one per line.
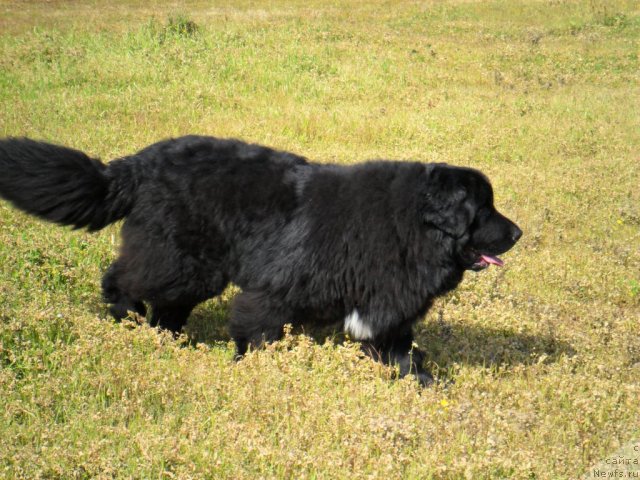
355, 327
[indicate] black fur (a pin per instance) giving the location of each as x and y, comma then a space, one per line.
65, 186
305, 242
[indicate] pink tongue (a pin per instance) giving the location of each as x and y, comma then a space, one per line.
492, 260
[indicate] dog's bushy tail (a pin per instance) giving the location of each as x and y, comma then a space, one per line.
66, 186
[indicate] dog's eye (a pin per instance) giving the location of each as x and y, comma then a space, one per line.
481, 215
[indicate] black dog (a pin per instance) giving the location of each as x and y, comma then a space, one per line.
370, 245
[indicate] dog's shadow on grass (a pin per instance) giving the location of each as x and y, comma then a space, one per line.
446, 344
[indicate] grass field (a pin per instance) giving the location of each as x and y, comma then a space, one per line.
544, 96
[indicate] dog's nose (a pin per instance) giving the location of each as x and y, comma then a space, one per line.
516, 233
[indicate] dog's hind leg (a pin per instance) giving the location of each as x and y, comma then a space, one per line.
121, 302
255, 320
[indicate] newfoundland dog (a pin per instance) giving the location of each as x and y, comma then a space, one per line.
368, 245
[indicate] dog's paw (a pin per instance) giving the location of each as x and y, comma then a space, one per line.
425, 379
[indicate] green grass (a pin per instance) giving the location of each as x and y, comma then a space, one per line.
541, 95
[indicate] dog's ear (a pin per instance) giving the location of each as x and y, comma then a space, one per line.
445, 202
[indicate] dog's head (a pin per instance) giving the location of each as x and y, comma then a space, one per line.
459, 202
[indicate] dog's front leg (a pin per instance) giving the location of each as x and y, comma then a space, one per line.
389, 343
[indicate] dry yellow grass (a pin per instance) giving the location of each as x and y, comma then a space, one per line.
541, 95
